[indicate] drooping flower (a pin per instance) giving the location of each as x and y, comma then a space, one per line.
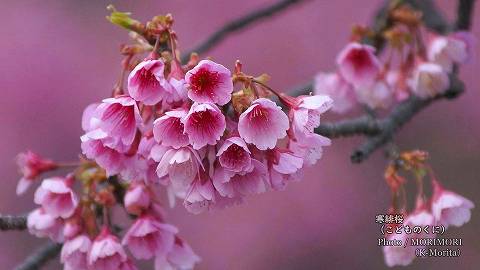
429, 80
310, 147
282, 167
56, 197
148, 237
180, 257
209, 82
204, 124
449, 208
201, 194
358, 64
137, 198
119, 118
234, 155
145, 82
230, 184
334, 86
305, 114
109, 159
74, 252
263, 123
106, 252
168, 129
31, 165
400, 255
447, 50
180, 165
42, 224
377, 95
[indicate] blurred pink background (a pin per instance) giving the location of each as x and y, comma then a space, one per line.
56, 57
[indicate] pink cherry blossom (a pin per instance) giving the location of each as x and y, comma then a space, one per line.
450, 208
106, 252
180, 257
201, 194
358, 64
145, 82
209, 82
333, 85
229, 184
376, 95
181, 165
306, 114
119, 118
263, 123
204, 124
168, 129
400, 255
31, 165
429, 80
234, 155
448, 50
56, 196
109, 159
42, 224
137, 198
310, 148
282, 167
148, 237
74, 252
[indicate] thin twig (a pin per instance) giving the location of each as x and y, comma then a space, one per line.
8, 223
40, 257
239, 24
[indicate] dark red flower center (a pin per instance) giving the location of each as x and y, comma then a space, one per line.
204, 81
359, 58
147, 78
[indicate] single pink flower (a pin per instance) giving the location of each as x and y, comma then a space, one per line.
201, 194
429, 80
334, 86
42, 224
229, 184
400, 255
181, 165
106, 252
145, 82
450, 208
305, 114
148, 237
168, 129
376, 95
137, 198
74, 252
204, 124
209, 82
358, 64
56, 196
263, 123
31, 165
448, 50
119, 118
310, 147
109, 159
282, 167
234, 155
180, 257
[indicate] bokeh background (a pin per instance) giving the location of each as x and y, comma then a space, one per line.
56, 57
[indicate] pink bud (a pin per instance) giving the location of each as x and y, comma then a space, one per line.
31, 166
137, 198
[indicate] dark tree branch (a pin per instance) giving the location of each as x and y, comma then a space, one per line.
8, 223
464, 14
40, 257
432, 17
239, 24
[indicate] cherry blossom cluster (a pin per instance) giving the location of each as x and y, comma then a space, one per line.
196, 132
444, 207
407, 66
